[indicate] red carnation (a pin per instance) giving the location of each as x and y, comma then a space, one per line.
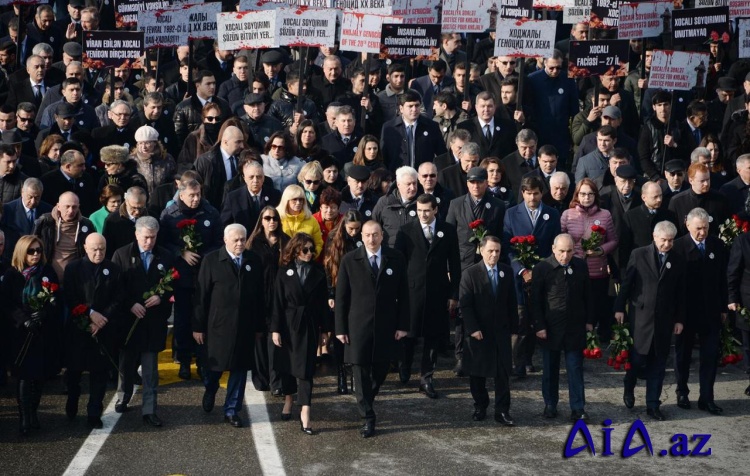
514, 240
617, 366
473, 225
725, 37
531, 239
714, 36
586, 353
79, 310
625, 354
628, 366
175, 274
186, 222
610, 361
54, 287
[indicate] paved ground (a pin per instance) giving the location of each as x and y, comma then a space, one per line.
415, 435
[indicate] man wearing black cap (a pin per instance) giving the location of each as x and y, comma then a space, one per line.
674, 172
64, 124
71, 26
356, 195
737, 103
357, 101
273, 65
28, 163
11, 178
259, 124
71, 51
621, 197
726, 87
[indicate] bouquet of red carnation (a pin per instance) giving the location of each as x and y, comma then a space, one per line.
524, 249
730, 353
164, 285
189, 235
619, 347
478, 232
732, 228
592, 350
81, 317
596, 238
45, 296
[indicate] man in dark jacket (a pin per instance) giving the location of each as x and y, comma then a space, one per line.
188, 114
229, 311
119, 226
398, 206
489, 129
11, 177
330, 86
143, 267
219, 165
453, 177
700, 195
243, 205
736, 190
260, 126
71, 177
372, 314
342, 143
563, 313
286, 108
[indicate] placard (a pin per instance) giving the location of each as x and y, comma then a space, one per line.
580, 12
678, 70
467, 16
525, 38
696, 26
374, 7
643, 20
246, 30
102, 49
515, 9
126, 11
306, 27
598, 58
417, 11
554, 4
421, 42
173, 27
361, 32
257, 5
739, 8
710, 3
743, 35
605, 14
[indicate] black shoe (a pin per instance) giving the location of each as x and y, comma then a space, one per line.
95, 422
684, 402
277, 393
121, 407
531, 369
233, 420
428, 390
342, 389
368, 429
747, 391
404, 374
579, 415
209, 399
479, 414
504, 419
459, 368
184, 372
308, 430
152, 420
519, 373
71, 409
656, 414
710, 407
286, 416
629, 398
549, 411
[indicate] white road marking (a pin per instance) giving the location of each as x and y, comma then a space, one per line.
90, 448
265, 443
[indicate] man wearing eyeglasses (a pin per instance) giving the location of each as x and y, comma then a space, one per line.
428, 173
119, 227
492, 82
120, 131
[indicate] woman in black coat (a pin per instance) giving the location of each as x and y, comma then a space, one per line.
346, 237
34, 331
267, 240
299, 305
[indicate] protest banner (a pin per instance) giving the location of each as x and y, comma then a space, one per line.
678, 70
743, 37
174, 27
579, 12
514, 9
530, 38
126, 11
739, 8
554, 4
710, 3
697, 25
421, 42
374, 7
642, 20
361, 32
605, 14
467, 16
256, 5
246, 30
598, 58
306, 27
272, 28
102, 49
417, 11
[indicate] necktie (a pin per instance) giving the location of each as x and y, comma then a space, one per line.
30, 217
72, 181
652, 212
237, 262
345, 140
256, 202
374, 264
232, 167
146, 258
223, 65
530, 163
410, 143
662, 258
697, 135
493, 280
533, 217
37, 91
702, 248
476, 209
487, 132
436, 89
428, 233
357, 203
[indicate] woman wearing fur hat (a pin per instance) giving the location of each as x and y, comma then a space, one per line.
119, 169
154, 163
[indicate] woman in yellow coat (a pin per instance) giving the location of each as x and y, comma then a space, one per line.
296, 217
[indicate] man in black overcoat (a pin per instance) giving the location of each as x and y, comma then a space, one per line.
372, 314
229, 311
430, 247
143, 265
487, 297
654, 289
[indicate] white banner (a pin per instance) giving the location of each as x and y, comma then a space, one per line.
644, 20
374, 7
554, 4
163, 28
467, 16
710, 3
256, 5
743, 37
416, 11
532, 38
739, 8
246, 30
361, 32
306, 27
678, 70
580, 12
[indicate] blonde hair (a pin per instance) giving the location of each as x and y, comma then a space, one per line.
293, 191
313, 168
22, 246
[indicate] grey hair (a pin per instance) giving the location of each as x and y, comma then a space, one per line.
698, 153
563, 236
42, 48
31, 57
333, 109
234, 227
136, 193
560, 177
188, 184
74, 63
33, 183
147, 222
69, 156
120, 102
470, 148
460, 134
557, 55
698, 213
665, 228
649, 185
744, 158
526, 135
404, 172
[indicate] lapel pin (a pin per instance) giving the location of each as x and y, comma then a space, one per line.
440, 234
545, 216
669, 265
289, 272
247, 267
487, 206
160, 267
105, 272
207, 223
502, 275
389, 271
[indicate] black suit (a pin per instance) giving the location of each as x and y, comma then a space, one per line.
454, 179
516, 167
638, 229
707, 300
503, 136
16, 224
20, 90
370, 309
428, 142
239, 206
443, 161
434, 269
736, 192
656, 301
55, 184
712, 201
334, 145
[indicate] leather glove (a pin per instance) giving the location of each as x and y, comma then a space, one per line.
33, 324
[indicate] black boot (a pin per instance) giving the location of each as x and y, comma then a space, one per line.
24, 402
343, 390
36, 398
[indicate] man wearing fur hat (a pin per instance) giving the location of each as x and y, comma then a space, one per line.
154, 163
119, 169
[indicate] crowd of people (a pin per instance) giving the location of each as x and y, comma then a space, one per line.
286, 204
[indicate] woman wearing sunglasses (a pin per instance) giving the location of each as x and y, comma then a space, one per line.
299, 305
310, 178
203, 138
279, 161
34, 328
267, 240
296, 217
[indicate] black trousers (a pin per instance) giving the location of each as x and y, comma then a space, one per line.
97, 389
367, 382
458, 338
709, 355
302, 387
525, 342
653, 366
265, 377
603, 303
429, 356
478, 386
